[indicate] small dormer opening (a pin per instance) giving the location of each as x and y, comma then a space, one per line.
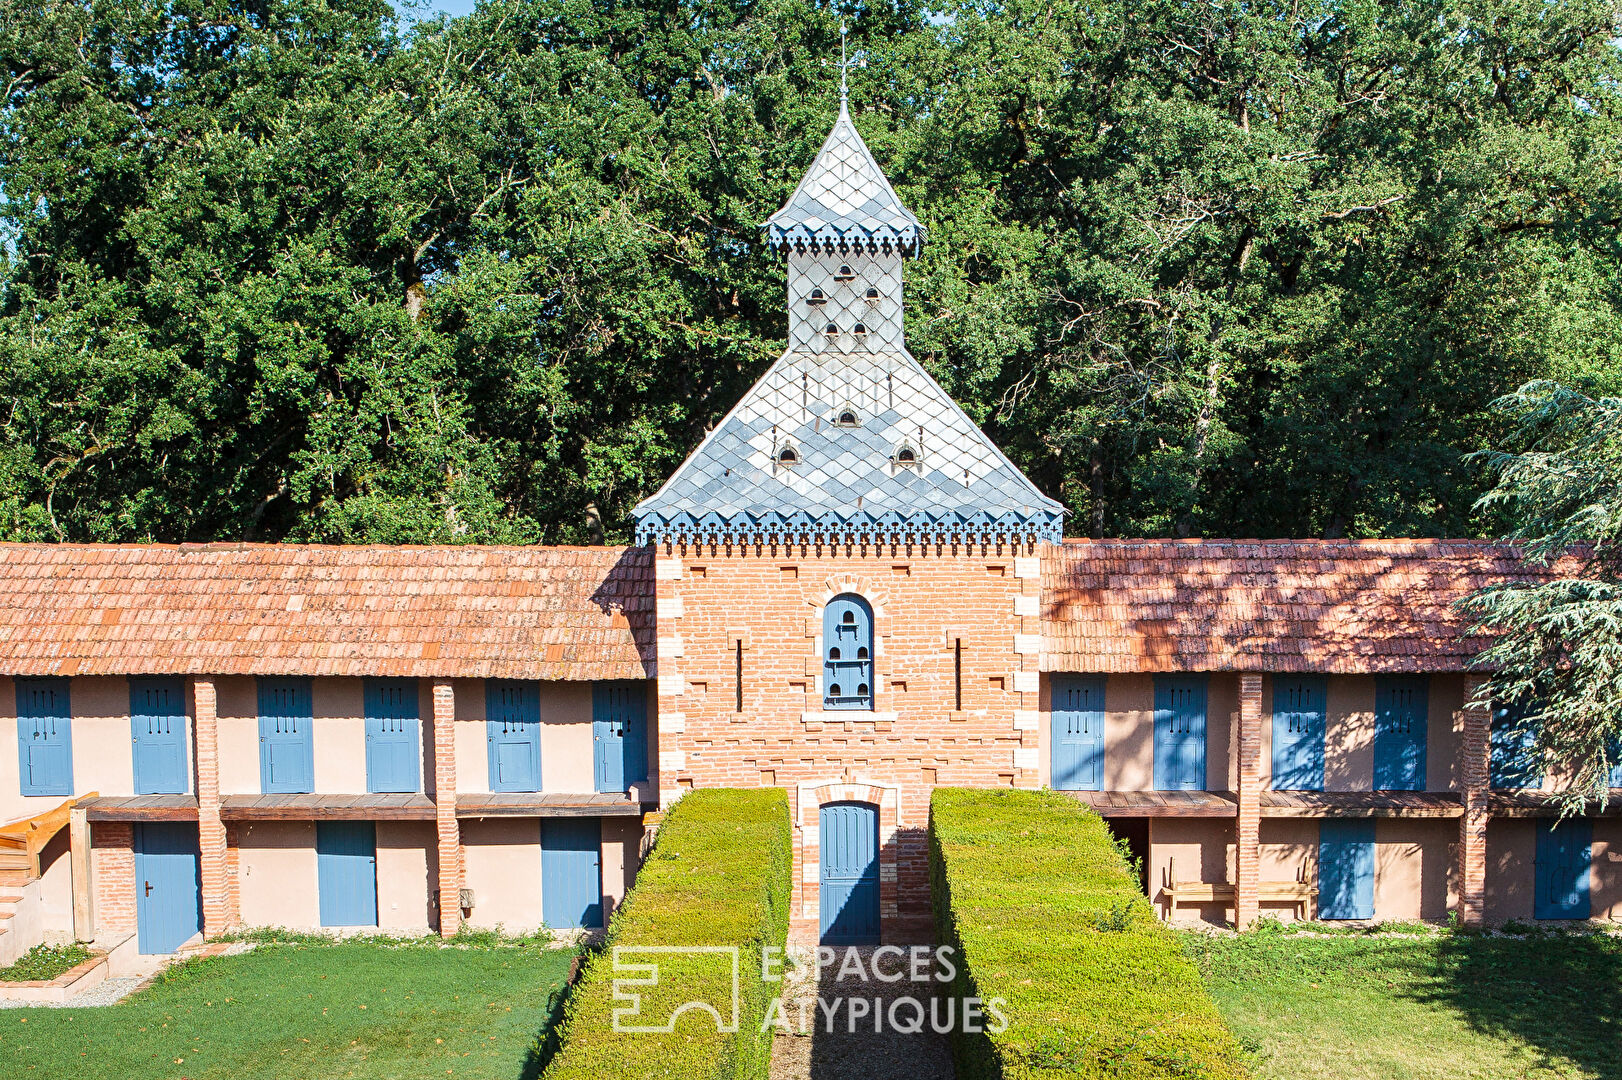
860, 330
832, 330
872, 297
844, 273
906, 456
816, 298
847, 417
788, 457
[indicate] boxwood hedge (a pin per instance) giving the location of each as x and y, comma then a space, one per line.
717, 875
1031, 889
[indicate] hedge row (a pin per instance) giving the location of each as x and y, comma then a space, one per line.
718, 875
1031, 889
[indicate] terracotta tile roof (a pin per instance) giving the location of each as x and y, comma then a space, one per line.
287, 609
1263, 605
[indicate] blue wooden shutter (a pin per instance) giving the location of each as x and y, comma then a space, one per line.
158, 736
1299, 710
1564, 865
346, 872
513, 731
571, 872
1516, 762
168, 885
1399, 733
847, 653
286, 737
393, 742
44, 737
849, 873
619, 729
1179, 732
1346, 868
1078, 733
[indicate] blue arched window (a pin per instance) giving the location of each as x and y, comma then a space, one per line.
847, 653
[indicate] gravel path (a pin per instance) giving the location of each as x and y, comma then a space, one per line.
826, 1048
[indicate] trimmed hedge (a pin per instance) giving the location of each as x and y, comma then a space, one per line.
1031, 889
718, 874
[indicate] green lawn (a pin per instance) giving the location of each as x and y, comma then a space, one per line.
290, 1010
1440, 1007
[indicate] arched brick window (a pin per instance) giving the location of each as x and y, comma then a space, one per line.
847, 653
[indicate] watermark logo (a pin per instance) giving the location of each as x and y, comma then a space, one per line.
630, 974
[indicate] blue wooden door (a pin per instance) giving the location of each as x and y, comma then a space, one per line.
849, 873
286, 737
1564, 864
847, 647
1399, 733
1078, 734
1299, 709
393, 741
619, 731
346, 872
513, 730
168, 886
1179, 733
1515, 759
158, 736
1346, 869
44, 737
571, 872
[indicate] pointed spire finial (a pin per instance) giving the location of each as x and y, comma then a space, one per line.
845, 63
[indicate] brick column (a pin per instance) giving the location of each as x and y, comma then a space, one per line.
219, 907
1475, 775
445, 824
1248, 854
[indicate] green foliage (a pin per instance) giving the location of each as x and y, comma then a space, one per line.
1031, 890
718, 875
299, 270
44, 962
1557, 646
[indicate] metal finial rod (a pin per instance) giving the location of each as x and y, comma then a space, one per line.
844, 66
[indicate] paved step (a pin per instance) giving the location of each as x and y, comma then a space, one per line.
15, 877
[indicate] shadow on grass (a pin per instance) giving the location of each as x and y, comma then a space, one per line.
548, 1040
1559, 993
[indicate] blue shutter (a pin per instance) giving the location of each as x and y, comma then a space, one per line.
1564, 865
1179, 733
849, 873
1399, 733
158, 736
571, 872
168, 886
1299, 709
1346, 868
513, 731
346, 872
44, 737
286, 737
847, 653
619, 730
1078, 733
1516, 762
393, 743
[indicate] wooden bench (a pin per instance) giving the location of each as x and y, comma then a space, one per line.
1302, 892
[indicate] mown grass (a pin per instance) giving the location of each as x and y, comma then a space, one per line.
310, 1010
1435, 1007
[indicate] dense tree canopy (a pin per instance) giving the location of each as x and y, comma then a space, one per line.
297, 269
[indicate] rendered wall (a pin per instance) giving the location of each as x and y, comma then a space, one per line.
102, 757
1195, 849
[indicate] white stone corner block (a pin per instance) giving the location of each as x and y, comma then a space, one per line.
811, 872
672, 723
1025, 757
1024, 720
1027, 566
671, 761
1025, 682
671, 685
667, 607
1028, 644
666, 568
670, 645
1028, 606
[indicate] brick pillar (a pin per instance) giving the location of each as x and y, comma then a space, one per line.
445, 824
1248, 853
219, 907
1475, 775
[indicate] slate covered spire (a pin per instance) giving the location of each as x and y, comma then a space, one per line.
846, 438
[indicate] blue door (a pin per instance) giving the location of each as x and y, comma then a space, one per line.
849, 873
1179, 733
346, 872
1078, 734
168, 886
619, 732
1515, 759
393, 745
1399, 733
1564, 863
286, 737
513, 730
158, 735
571, 872
847, 648
1298, 733
1346, 869
44, 737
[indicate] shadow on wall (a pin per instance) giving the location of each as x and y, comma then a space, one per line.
1562, 996
627, 592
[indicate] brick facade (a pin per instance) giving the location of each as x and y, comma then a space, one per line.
446, 828
1248, 749
112, 868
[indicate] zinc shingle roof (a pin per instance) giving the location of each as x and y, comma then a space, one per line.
1341, 607
287, 609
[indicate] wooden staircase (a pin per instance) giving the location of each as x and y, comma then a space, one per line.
20, 845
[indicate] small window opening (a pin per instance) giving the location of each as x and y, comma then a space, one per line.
831, 330
845, 273
860, 329
861, 653
833, 653
872, 296
738, 701
787, 456
849, 619
906, 456
957, 672
834, 691
861, 690
847, 418
816, 298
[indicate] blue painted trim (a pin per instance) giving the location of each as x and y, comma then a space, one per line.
1043, 527
512, 725
1181, 726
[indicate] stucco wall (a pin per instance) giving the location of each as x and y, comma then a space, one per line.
1288, 851
407, 875
1202, 849
237, 704
1349, 734
277, 874
1412, 866
502, 865
339, 707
